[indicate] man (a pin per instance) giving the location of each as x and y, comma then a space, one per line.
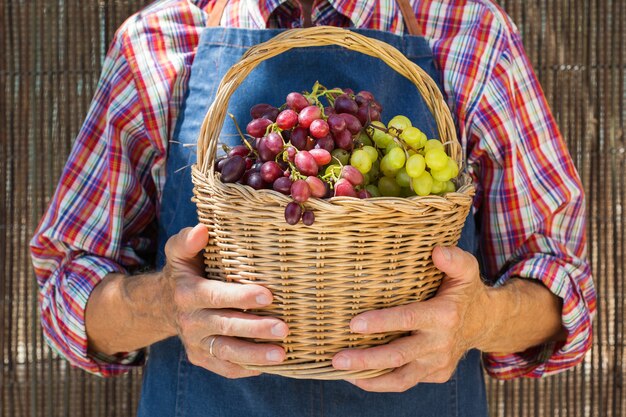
102, 224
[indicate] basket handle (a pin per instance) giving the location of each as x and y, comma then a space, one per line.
321, 36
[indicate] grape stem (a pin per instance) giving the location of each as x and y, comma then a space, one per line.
243, 138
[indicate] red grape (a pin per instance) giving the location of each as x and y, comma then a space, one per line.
322, 156
308, 218
255, 181
326, 143
352, 174
241, 150
271, 171
283, 185
249, 162
263, 110
305, 162
308, 114
291, 153
363, 194
257, 127
293, 213
367, 114
343, 140
343, 188
300, 191
336, 123
328, 110
310, 143
366, 95
296, 101
287, 119
348, 91
298, 137
344, 104
233, 169
352, 123
319, 128
265, 153
274, 142
220, 163
317, 187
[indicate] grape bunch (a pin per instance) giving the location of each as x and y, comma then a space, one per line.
332, 143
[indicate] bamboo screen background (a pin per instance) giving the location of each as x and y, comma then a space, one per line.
51, 54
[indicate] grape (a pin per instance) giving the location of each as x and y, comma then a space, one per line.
399, 122
352, 123
257, 127
442, 175
343, 188
344, 104
241, 150
453, 167
308, 218
283, 185
287, 119
291, 153
296, 101
305, 163
255, 181
415, 165
336, 123
366, 95
341, 155
233, 169
391, 146
326, 143
413, 137
300, 191
396, 158
348, 91
374, 172
449, 187
219, 164
271, 171
328, 110
334, 168
249, 163
373, 190
274, 142
372, 153
265, 154
407, 192
361, 161
366, 178
352, 174
380, 138
364, 139
363, 194
298, 137
386, 169
319, 128
423, 184
344, 141
293, 213
437, 187
436, 159
388, 187
263, 110
367, 113
321, 156
402, 178
308, 114
310, 143
317, 187
433, 144
256, 167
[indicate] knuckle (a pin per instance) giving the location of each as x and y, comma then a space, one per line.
182, 293
450, 317
398, 357
224, 326
408, 318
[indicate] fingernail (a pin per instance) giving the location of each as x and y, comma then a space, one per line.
279, 330
263, 299
359, 325
273, 356
446, 253
342, 362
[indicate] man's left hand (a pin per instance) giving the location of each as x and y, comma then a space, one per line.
442, 329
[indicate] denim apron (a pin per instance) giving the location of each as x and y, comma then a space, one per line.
172, 386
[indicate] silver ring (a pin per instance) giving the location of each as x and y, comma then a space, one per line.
213, 339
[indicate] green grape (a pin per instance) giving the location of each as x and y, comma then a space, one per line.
413, 137
391, 146
380, 138
386, 169
452, 166
396, 158
371, 152
373, 190
433, 144
335, 169
449, 187
399, 122
436, 159
407, 192
375, 171
342, 155
423, 184
442, 175
415, 165
402, 178
365, 139
361, 161
366, 178
438, 187
411, 152
388, 187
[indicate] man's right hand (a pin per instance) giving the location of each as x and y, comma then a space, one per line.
202, 312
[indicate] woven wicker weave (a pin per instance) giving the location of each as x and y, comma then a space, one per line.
359, 255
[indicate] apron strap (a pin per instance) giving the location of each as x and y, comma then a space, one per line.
215, 16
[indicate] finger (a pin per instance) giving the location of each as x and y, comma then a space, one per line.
197, 292
186, 244
399, 380
455, 262
407, 317
220, 367
239, 351
392, 355
202, 323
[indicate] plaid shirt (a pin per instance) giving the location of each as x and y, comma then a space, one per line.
529, 196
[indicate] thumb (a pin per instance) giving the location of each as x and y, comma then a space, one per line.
187, 243
455, 262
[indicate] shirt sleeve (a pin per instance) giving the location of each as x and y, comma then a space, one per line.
101, 217
531, 208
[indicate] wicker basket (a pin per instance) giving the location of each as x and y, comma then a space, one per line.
359, 255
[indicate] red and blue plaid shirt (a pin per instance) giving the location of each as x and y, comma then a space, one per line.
529, 196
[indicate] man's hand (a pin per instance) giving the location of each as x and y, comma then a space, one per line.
200, 311
442, 329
